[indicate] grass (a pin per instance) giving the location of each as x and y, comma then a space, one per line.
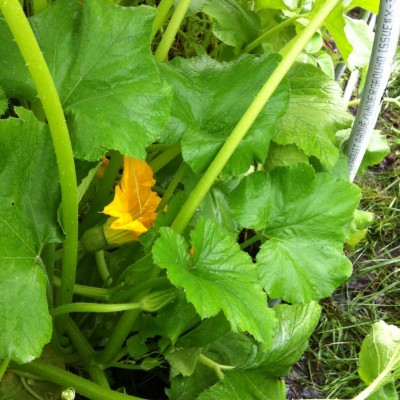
329, 368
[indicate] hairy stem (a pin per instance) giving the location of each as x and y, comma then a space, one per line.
88, 291
161, 53
29, 48
240, 130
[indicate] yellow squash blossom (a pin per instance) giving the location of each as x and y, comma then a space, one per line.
133, 210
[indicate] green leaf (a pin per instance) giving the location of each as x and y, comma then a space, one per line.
162, 324
316, 111
377, 149
106, 77
294, 326
380, 351
335, 23
217, 277
183, 360
14, 75
233, 25
325, 62
28, 220
370, 5
188, 388
361, 37
241, 385
303, 215
3, 102
209, 330
283, 156
290, 5
206, 108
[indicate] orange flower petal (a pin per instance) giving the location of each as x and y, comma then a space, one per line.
134, 206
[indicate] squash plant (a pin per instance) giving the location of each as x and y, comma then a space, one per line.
177, 218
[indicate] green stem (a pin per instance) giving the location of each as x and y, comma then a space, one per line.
161, 53
89, 291
165, 157
3, 367
395, 100
124, 325
240, 130
103, 192
252, 240
126, 294
86, 353
93, 307
172, 186
102, 268
29, 48
217, 368
66, 379
264, 36
162, 12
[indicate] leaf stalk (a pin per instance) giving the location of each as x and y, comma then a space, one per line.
47, 92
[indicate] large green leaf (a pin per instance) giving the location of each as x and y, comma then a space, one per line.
233, 25
28, 220
217, 277
239, 385
207, 106
294, 326
109, 85
303, 214
316, 111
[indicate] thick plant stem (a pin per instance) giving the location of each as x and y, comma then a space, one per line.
162, 12
242, 127
171, 31
26, 41
63, 378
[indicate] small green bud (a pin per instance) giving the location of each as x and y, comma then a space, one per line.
154, 301
94, 240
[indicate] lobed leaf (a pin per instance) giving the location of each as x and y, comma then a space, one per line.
206, 108
316, 111
303, 215
217, 277
100, 58
28, 221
